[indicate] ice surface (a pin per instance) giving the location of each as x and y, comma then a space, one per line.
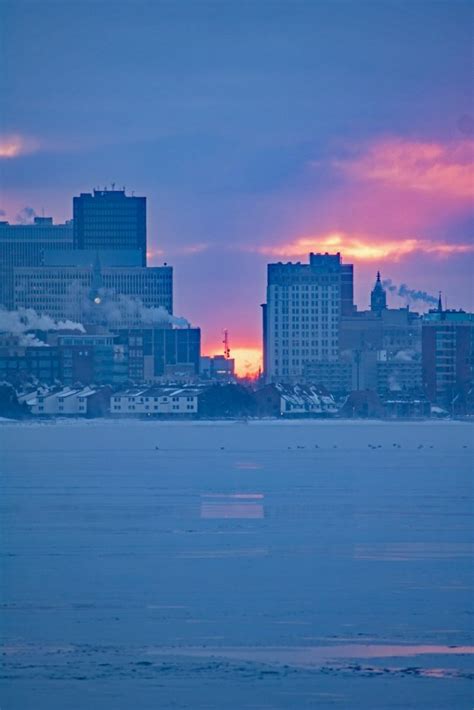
230, 565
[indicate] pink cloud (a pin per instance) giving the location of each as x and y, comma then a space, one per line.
13, 146
435, 168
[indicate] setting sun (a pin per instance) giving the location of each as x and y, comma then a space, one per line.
248, 359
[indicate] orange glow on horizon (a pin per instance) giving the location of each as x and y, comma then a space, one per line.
364, 247
248, 359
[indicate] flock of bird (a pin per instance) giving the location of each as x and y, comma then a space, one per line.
335, 446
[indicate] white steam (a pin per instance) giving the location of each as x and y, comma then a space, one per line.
409, 294
117, 309
405, 356
27, 319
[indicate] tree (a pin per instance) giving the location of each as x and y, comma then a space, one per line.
9, 404
227, 401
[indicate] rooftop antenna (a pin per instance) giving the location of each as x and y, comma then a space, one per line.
226, 345
113, 186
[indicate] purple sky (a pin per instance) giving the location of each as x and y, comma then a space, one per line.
258, 131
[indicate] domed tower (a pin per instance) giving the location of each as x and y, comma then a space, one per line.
378, 297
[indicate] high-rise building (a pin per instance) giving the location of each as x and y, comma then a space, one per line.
88, 293
302, 314
28, 245
110, 219
448, 357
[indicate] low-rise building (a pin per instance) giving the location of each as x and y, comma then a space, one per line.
294, 401
84, 401
218, 368
403, 406
154, 401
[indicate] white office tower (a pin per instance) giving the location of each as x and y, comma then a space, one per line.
302, 315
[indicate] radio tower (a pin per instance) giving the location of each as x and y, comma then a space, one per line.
226, 345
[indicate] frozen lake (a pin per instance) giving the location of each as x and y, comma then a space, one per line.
265, 565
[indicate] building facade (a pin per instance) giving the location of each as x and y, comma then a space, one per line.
28, 245
218, 368
110, 219
91, 359
302, 315
20, 364
448, 357
156, 401
161, 354
83, 401
336, 377
82, 293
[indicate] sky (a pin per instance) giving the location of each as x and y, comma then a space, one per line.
258, 131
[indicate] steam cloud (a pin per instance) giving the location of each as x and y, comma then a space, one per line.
26, 215
27, 319
123, 310
405, 356
410, 294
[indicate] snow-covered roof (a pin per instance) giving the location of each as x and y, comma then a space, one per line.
306, 397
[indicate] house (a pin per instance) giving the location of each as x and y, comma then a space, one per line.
294, 401
362, 403
154, 401
400, 405
83, 401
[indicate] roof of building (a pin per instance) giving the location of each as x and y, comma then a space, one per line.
306, 395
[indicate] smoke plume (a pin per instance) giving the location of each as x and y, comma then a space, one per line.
406, 356
27, 319
26, 215
408, 293
117, 309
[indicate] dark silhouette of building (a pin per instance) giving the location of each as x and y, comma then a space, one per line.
28, 245
378, 297
161, 353
448, 357
110, 219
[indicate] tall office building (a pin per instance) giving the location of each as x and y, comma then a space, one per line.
302, 314
448, 357
28, 245
110, 219
88, 293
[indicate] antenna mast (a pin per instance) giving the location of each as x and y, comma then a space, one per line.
226, 345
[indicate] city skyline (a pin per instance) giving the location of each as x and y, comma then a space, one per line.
359, 143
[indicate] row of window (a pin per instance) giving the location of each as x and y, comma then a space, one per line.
132, 408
